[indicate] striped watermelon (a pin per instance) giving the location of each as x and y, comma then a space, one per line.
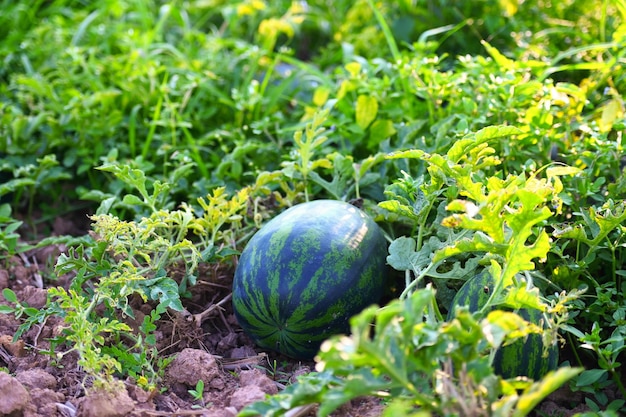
305, 273
524, 357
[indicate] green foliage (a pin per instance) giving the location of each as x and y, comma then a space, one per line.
479, 134
198, 393
418, 364
9, 238
126, 259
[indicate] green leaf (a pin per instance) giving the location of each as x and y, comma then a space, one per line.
343, 172
132, 200
520, 256
5, 212
380, 130
9, 295
589, 377
4, 309
16, 184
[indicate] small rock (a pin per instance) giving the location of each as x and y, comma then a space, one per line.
192, 365
14, 397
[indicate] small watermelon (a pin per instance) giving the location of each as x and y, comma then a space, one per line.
524, 357
305, 273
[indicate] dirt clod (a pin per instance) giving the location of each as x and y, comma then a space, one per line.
246, 395
255, 377
14, 398
192, 365
37, 378
100, 403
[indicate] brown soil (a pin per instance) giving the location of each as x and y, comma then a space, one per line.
205, 343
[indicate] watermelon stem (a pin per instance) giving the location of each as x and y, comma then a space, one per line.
413, 284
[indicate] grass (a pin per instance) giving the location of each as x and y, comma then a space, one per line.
137, 109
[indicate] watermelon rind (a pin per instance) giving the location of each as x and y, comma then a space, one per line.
305, 273
524, 357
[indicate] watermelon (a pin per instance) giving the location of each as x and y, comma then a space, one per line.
305, 273
524, 357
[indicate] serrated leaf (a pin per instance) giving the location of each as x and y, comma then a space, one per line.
576, 232
470, 141
478, 243
400, 252
394, 206
365, 165
459, 270
520, 256
522, 297
343, 171
498, 324
403, 255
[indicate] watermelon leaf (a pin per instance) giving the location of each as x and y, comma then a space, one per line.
343, 172
539, 390
505, 219
518, 297
460, 148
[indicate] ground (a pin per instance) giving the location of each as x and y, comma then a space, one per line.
205, 342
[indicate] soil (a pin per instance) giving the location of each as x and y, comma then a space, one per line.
205, 343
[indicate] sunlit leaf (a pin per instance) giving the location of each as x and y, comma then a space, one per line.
539, 390
366, 110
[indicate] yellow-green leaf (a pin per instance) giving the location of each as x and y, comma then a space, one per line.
561, 170
381, 130
320, 95
534, 394
611, 112
366, 110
